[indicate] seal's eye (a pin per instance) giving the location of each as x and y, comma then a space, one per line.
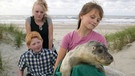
100, 51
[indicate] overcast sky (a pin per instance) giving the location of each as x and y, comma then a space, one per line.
67, 7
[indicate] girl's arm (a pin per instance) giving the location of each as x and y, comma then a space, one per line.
50, 28
60, 57
27, 26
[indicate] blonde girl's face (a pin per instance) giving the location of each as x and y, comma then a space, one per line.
38, 12
36, 45
91, 19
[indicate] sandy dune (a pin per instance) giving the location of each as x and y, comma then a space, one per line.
124, 60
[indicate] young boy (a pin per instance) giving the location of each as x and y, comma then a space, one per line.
39, 61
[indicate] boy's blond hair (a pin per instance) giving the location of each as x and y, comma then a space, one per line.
32, 35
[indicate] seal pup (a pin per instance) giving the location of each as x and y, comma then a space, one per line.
92, 52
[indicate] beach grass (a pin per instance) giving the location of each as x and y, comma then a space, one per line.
11, 34
4, 68
1, 68
117, 40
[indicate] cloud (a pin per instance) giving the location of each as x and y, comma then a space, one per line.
15, 7
120, 7
24, 7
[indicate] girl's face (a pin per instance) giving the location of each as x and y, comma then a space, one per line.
91, 19
36, 45
38, 12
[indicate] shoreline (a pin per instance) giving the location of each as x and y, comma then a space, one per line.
102, 28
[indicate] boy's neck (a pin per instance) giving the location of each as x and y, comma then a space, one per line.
35, 51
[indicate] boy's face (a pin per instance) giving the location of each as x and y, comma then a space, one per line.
36, 45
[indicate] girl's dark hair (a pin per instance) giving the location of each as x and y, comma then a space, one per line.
87, 8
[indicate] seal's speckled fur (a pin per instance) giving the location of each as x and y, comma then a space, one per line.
92, 52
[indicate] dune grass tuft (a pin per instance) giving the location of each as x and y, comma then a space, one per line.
117, 40
11, 34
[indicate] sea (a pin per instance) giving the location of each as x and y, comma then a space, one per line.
109, 19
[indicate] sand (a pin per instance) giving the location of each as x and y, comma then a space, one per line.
124, 60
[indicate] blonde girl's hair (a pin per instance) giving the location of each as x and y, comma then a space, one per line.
89, 7
32, 35
44, 5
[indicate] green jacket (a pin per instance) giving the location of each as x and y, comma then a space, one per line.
81, 70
